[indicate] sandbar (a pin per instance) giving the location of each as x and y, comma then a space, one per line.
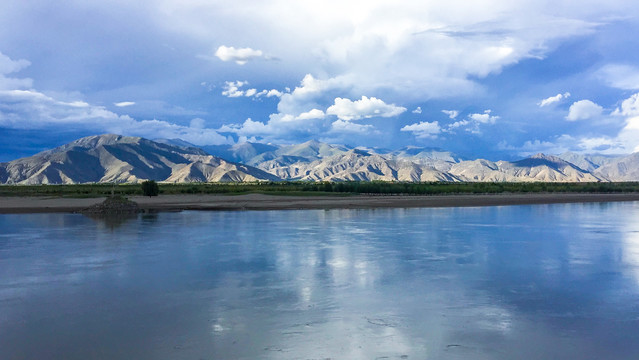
289, 202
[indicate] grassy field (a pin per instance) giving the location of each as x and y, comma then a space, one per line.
320, 188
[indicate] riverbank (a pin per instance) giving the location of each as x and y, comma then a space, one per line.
281, 202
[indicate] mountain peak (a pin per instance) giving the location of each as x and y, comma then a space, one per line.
116, 158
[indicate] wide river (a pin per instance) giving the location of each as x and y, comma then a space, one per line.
513, 282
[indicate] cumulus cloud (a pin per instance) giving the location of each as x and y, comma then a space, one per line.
484, 118
629, 134
418, 110
234, 89
444, 44
346, 109
299, 113
270, 93
458, 124
583, 110
620, 76
472, 123
240, 55
629, 107
451, 113
124, 103
623, 142
553, 99
423, 130
313, 114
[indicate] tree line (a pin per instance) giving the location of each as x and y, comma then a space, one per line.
151, 188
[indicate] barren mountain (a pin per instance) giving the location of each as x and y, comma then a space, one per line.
539, 167
115, 158
358, 165
625, 168
588, 162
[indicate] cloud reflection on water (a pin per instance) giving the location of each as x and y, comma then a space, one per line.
483, 283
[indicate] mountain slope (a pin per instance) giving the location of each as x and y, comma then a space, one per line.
115, 158
624, 168
357, 165
539, 167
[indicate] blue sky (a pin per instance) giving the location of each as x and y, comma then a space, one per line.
488, 78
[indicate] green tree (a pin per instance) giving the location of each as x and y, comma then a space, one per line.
150, 188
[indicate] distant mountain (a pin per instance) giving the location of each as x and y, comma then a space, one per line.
115, 158
242, 152
290, 154
425, 154
176, 142
360, 165
539, 167
587, 162
623, 168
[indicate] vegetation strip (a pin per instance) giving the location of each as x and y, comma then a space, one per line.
319, 188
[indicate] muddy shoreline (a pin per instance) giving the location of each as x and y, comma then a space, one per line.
10, 205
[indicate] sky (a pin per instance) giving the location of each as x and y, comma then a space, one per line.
485, 79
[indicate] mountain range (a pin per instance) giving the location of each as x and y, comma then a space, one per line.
116, 158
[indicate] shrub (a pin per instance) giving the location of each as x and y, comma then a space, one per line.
150, 188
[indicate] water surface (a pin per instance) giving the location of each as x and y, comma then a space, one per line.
535, 282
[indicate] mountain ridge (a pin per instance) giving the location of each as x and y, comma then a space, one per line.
117, 158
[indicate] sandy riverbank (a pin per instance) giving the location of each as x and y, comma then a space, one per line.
279, 202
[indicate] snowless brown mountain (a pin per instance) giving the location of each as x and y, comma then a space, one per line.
115, 158
316, 161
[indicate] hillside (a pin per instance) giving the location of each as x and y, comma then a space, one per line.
115, 158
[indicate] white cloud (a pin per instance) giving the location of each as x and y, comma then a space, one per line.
342, 126
273, 93
620, 76
418, 110
451, 113
124, 103
30, 109
241, 55
423, 129
553, 99
565, 142
392, 50
197, 123
233, 89
472, 123
629, 107
484, 118
279, 127
366, 107
458, 124
8, 66
583, 110
313, 114
625, 141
